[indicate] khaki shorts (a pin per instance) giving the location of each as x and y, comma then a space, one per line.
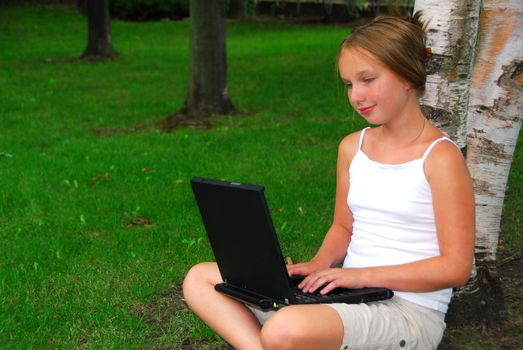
389, 324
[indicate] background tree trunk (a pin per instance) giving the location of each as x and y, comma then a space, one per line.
82, 5
99, 42
452, 33
238, 9
207, 91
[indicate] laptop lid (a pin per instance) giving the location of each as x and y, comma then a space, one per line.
242, 236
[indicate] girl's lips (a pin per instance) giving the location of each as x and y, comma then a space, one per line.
365, 110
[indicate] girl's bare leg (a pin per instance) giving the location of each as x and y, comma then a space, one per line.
229, 318
303, 327
293, 327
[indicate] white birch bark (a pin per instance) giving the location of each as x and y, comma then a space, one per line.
494, 115
451, 34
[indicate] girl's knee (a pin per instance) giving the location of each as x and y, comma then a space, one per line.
283, 330
200, 276
303, 327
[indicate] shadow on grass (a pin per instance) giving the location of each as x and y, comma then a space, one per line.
169, 124
159, 314
181, 120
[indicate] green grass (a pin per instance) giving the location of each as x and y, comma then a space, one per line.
80, 159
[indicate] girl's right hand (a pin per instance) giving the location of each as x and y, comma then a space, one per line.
306, 268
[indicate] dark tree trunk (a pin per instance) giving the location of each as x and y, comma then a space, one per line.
82, 5
207, 91
238, 9
481, 301
99, 42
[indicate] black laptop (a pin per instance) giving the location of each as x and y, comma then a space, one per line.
240, 230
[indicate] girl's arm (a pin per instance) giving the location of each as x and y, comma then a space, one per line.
453, 201
334, 247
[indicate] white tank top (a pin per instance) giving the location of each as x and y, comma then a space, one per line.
393, 219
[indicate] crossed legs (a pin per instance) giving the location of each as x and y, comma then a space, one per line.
293, 327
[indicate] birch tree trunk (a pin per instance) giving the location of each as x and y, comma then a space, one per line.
452, 38
451, 35
494, 119
494, 114
474, 94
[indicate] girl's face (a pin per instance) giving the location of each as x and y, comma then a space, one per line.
374, 90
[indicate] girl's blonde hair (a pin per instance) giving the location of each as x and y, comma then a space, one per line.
399, 43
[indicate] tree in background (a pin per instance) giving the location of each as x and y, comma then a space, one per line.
237, 9
474, 94
99, 41
207, 91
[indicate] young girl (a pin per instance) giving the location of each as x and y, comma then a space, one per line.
403, 218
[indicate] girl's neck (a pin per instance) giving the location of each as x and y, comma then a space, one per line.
405, 130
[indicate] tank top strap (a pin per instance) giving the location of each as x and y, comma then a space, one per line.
362, 134
434, 143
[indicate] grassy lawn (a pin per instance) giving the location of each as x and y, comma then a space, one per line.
97, 221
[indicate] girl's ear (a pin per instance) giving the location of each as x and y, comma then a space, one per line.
407, 85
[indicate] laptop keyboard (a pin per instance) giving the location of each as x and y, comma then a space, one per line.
316, 297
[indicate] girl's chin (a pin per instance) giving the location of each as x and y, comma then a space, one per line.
372, 120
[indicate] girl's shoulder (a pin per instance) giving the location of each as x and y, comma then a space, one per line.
444, 160
349, 146
437, 146
352, 141
443, 150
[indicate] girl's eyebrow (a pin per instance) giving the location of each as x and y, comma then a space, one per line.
359, 75
363, 73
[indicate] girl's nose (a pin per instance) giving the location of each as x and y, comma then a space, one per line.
355, 94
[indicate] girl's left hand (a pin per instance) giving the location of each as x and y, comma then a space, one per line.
331, 278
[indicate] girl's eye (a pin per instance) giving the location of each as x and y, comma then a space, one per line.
348, 85
368, 80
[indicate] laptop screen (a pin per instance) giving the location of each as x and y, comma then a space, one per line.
242, 236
